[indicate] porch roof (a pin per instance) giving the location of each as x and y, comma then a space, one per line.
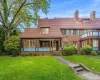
35, 33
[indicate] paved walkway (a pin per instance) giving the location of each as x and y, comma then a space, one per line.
86, 74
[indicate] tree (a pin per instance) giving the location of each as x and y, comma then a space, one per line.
12, 45
1, 40
15, 13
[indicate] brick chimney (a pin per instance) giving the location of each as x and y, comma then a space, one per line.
76, 16
92, 15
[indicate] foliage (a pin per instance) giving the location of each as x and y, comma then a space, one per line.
12, 45
98, 52
69, 50
86, 50
15, 33
1, 40
20, 13
34, 68
94, 53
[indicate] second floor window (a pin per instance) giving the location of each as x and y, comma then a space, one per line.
44, 30
73, 32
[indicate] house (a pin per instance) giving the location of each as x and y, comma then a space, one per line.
51, 35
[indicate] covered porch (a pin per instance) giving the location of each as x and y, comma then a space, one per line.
40, 45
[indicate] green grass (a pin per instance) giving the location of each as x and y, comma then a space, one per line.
92, 63
34, 68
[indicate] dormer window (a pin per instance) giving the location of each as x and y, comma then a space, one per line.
85, 21
44, 30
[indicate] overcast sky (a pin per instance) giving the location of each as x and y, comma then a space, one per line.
66, 8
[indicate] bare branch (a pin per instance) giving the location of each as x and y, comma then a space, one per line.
17, 12
3, 21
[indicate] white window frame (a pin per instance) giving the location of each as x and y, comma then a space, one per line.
95, 42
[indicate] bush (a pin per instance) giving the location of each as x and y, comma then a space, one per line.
69, 50
94, 53
86, 50
12, 45
98, 52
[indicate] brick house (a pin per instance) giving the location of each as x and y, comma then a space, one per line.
54, 34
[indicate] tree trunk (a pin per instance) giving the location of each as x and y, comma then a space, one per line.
6, 35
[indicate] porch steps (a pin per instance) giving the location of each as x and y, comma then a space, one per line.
79, 68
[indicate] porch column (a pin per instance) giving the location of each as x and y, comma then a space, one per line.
22, 45
35, 44
50, 44
90, 42
99, 44
59, 44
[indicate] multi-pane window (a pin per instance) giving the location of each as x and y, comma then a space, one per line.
95, 43
73, 32
75, 43
44, 44
86, 21
85, 31
67, 31
44, 30
29, 43
78, 31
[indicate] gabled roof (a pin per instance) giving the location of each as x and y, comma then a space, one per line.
70, 23
56, 24
35, 33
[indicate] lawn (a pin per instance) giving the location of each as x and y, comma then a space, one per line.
91, 62
34, 68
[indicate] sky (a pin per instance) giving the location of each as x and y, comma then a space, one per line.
66, 8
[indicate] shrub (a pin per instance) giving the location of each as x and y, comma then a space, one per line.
69, 50
98, 52
12, 45
94, 53
86, 50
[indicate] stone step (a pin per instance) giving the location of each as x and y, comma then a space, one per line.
79, 69
77, 66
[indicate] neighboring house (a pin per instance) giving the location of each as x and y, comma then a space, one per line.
54, 34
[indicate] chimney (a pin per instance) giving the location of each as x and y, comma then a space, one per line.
76, 16
92, 15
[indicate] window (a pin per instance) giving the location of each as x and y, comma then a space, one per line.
86, 21
95, 43
85, 31
67, 31
29, 44
75, 43
44, 44
44, 30
78, 32
73, 32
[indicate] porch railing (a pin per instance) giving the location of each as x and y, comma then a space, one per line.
90, 34
36, 49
